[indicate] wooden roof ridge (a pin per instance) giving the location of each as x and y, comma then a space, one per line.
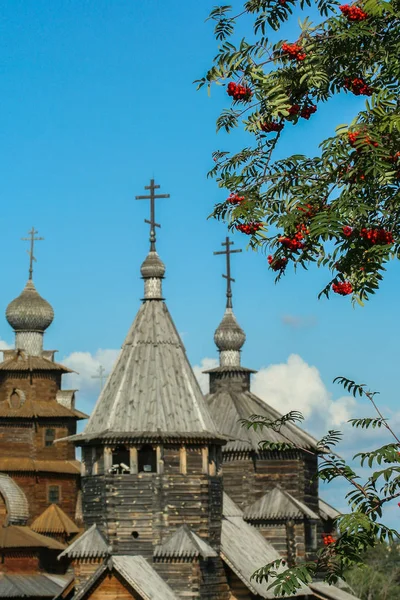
15, 500
137, 573
278, 504
91, 544
21, 536
152, 388
184, 543
54, 520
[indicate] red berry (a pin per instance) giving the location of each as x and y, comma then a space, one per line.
344, 288
294, 51
353, 13
234, 198
272, 126
240, 93
347, 231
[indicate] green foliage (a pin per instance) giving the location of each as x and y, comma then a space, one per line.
354, 181
359, 530
378, 577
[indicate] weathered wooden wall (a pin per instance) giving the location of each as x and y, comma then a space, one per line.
110, 587
152, 505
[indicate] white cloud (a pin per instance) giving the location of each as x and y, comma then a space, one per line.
203, 378
87, 366
4, 345
296, 385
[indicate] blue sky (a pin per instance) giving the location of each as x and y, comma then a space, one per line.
97, 98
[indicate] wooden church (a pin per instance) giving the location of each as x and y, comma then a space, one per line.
174, 499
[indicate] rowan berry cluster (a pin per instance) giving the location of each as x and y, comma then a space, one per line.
377, 236
309, 210
293, 243
277, 264
354, 135
307, 111
347, 231
294, 109
241, 93
327, 539
353, 13
272, 126
234, 198
358, 86
248, 228
344, 288
294, 51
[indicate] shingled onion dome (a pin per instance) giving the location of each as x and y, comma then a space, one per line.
229, 338
152, 271
29, 315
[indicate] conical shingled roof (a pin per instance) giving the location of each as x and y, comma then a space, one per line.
152, 392
54, 520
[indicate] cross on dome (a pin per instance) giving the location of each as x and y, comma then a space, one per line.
228, 277
152, 222
32, 239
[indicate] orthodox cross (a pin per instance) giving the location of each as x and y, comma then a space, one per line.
152, 222
32, 239
228, 277
101, 375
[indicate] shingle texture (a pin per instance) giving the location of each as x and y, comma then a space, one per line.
16, 501
228, 406
54, 520
244, 550
278, 504
15, 464
327, 511
184, 544
21, 361
15, 536
90, 544
31, 586
137, 573
29, 312
152, 390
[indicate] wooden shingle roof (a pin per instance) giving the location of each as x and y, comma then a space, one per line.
152, 391
278, 504
244, 549
91, 544
184, 543
15, 536
31, 586
228, 406
25, 464
54, 520
137, 573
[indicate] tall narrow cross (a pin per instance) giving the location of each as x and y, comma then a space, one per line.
32, 239
101, 375
152, 222
228, 277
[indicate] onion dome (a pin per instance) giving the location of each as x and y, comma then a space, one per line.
152, 270
152, 266
29, 312
229, 338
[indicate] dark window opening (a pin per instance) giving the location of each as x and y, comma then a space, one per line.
49, 437
120, 460
147, 460
311, 535
54, 494
15, 399
135, 534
